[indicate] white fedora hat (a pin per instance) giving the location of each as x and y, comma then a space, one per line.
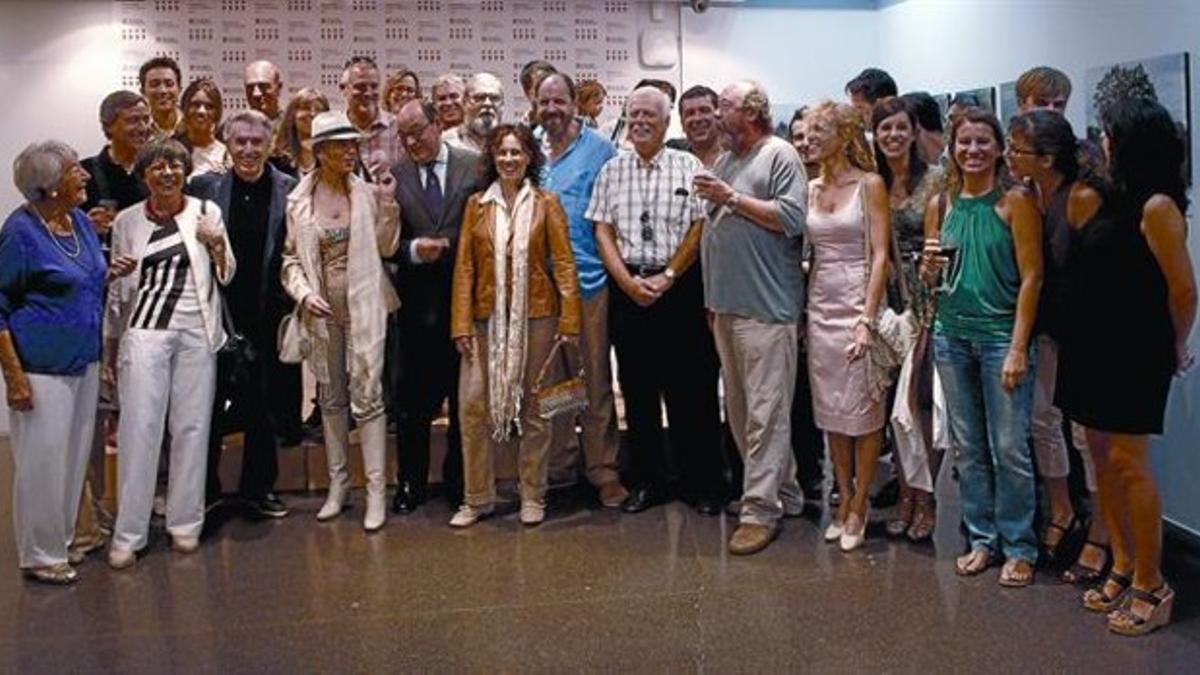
332, 126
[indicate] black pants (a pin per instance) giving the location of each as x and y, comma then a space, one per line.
248, 405
428, 375
666, 353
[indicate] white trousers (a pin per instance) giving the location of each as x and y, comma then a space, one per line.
163, 371
1049, 446
51, 445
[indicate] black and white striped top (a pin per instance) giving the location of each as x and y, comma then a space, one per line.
166, 295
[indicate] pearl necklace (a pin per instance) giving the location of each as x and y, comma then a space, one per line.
55, 237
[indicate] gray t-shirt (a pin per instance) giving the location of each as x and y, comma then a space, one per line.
749, 270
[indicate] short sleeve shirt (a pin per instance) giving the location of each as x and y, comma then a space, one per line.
649, 203
750, 271
571, 177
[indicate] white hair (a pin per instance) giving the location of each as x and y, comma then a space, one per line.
479, 80
40, 168
251, 118
447, 79
660, 98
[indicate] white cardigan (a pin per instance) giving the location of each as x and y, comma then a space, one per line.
131, 233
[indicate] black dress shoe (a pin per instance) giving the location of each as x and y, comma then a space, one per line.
835, 495
407, 498
812, 491
641, 499
710, 507
267, 506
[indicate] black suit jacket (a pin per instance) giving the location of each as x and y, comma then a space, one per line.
273, 301
424, 288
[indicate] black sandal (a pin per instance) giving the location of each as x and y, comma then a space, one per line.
1050, 552
1124, 621
1098, 601
1079, 573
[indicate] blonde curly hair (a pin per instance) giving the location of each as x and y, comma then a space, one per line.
849, 126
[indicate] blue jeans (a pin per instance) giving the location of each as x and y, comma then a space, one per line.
989, 428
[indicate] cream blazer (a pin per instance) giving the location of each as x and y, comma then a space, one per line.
131, 232
374, 235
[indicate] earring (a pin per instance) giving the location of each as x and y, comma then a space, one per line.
53, 194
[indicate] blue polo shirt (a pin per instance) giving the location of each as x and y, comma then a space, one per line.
51, 293
571, 176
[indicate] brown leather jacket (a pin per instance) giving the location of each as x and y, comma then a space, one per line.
553, 284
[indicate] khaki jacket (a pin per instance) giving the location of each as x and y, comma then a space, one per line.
553, 285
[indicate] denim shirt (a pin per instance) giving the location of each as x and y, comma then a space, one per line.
571, 176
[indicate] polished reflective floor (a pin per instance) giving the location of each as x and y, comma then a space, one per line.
589, 590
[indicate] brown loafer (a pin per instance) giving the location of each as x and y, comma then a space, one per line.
612, 494
749, 538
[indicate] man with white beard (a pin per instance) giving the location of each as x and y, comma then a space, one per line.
483, 109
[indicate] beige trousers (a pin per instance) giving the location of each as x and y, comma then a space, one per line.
479, 450
758, 364
599, 439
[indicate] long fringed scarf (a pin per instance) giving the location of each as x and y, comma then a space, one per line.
507, 326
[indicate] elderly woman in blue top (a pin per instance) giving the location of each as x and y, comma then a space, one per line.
52, 277
163, 329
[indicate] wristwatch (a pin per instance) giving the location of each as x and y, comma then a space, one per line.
733, 200
669, 273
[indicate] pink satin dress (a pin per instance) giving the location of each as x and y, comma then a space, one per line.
837, 289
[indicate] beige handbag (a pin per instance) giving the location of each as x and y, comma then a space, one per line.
560, 398
292, 338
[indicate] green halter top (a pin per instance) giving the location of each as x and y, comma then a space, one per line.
984, 281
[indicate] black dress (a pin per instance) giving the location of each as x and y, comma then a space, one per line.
1117, 354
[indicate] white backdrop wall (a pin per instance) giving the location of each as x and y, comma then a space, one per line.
58, 59
799, 55
949, 45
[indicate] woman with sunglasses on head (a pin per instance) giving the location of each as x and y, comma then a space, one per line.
1132, 302
981, 342
847, 207
1042, 152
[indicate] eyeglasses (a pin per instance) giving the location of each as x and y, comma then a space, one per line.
647, 230
1011, 150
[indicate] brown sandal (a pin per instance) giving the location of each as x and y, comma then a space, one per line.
1124, 621
1016, 573
925, 520
1079, 573
975, 562
898, 525
1101, 599
59, 574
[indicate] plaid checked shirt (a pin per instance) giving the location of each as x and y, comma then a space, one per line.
649, 203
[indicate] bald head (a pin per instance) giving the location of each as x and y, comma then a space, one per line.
264, 84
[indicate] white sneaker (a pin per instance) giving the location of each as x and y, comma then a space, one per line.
468, 515
121, 558
532, 513
185, 544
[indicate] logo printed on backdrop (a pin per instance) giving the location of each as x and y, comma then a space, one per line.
310, 40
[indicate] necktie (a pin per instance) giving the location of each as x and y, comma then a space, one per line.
433, 192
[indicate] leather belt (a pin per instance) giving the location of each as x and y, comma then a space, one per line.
645, 270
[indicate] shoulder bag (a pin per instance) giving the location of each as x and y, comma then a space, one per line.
560, 398
894, 334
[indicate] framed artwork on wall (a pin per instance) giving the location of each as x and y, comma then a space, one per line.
1008, 106
1166, 79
